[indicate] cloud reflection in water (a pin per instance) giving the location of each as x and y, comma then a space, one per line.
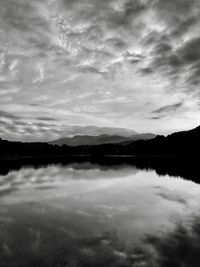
65, 216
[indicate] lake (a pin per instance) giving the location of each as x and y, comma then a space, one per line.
85, 215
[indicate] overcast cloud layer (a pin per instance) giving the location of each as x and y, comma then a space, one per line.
117, 63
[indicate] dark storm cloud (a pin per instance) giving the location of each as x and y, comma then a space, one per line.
168, 108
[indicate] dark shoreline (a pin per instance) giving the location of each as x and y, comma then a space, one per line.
178, 166
15, 158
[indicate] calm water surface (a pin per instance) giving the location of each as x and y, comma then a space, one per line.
60, 216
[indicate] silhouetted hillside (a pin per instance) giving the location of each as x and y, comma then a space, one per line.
179, 143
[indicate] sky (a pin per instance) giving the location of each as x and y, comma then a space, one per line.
69, 64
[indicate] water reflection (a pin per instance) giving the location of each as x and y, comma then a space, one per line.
187, 168
81, 215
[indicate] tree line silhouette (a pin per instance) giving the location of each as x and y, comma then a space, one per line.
185, 143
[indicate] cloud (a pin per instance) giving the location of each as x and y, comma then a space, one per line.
46, 119
53, 52
168, 108
185, 26
8, 115
156, 117
172, 197
185, 249
27, 129
22, 19
174, 43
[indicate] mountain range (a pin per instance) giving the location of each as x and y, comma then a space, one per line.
179, 144
80, 140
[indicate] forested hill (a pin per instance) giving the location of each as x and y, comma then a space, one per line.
179, 143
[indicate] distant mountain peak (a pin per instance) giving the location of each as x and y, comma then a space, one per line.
79, 140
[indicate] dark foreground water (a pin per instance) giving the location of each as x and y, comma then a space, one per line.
82, 215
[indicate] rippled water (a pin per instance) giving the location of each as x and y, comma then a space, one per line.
87, 216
